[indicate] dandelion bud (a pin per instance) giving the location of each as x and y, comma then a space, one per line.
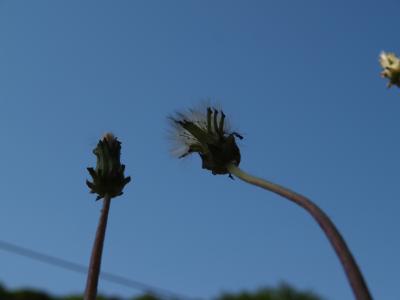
108, 177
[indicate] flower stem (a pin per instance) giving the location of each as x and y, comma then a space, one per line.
95, 260
349, 264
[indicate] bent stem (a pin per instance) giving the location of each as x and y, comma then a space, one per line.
95, 260
349, 264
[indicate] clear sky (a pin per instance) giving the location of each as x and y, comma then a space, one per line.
299, 79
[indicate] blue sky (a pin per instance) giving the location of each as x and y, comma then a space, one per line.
300, 80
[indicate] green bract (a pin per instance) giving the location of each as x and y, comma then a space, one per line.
206, 134
108, 177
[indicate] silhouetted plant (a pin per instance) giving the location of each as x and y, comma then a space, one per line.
209, 136
29, 294
146, 297
283, 292
108, 182
3, 292
205, 133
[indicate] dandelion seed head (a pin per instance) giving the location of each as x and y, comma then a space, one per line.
206, 132
391, 68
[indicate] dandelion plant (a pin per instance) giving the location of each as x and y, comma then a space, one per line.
207, 134
391, 68
108, 182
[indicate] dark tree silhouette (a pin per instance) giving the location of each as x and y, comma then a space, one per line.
282, 292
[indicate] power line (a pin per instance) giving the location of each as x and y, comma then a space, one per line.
82, 269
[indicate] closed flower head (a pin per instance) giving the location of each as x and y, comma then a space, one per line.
206, 132
108, 177
391, 68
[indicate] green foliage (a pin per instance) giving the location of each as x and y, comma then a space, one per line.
3, 292
283, 292
146, 297
28, 294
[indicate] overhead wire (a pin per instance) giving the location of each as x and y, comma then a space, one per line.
82, 269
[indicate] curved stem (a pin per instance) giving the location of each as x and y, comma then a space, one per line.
95, 260
349, 264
